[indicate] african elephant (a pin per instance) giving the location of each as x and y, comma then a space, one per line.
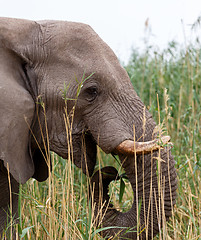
37, 60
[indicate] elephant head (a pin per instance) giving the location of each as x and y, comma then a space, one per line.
65, 68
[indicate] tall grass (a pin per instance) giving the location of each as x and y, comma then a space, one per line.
175, 76
58, 208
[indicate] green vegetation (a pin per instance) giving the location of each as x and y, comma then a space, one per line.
58, 208
175, 77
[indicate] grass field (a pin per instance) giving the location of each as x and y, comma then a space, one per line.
58, 208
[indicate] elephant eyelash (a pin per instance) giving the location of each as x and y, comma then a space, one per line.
91, 93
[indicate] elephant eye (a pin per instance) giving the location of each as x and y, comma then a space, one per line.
91, 93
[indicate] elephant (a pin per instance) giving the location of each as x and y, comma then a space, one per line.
51, 69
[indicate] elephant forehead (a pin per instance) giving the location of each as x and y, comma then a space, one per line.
72, 35
75, 40
75, 49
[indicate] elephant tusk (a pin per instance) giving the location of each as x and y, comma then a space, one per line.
129, 147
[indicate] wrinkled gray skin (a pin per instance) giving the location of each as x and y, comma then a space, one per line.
36, 59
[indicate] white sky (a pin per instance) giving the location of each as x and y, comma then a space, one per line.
120, 23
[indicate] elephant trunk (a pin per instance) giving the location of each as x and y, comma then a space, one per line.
153, 180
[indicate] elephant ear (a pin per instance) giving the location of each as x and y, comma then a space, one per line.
16, 103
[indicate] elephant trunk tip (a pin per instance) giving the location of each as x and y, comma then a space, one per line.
106, 175
100, 182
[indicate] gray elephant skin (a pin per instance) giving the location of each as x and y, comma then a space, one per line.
37, 60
